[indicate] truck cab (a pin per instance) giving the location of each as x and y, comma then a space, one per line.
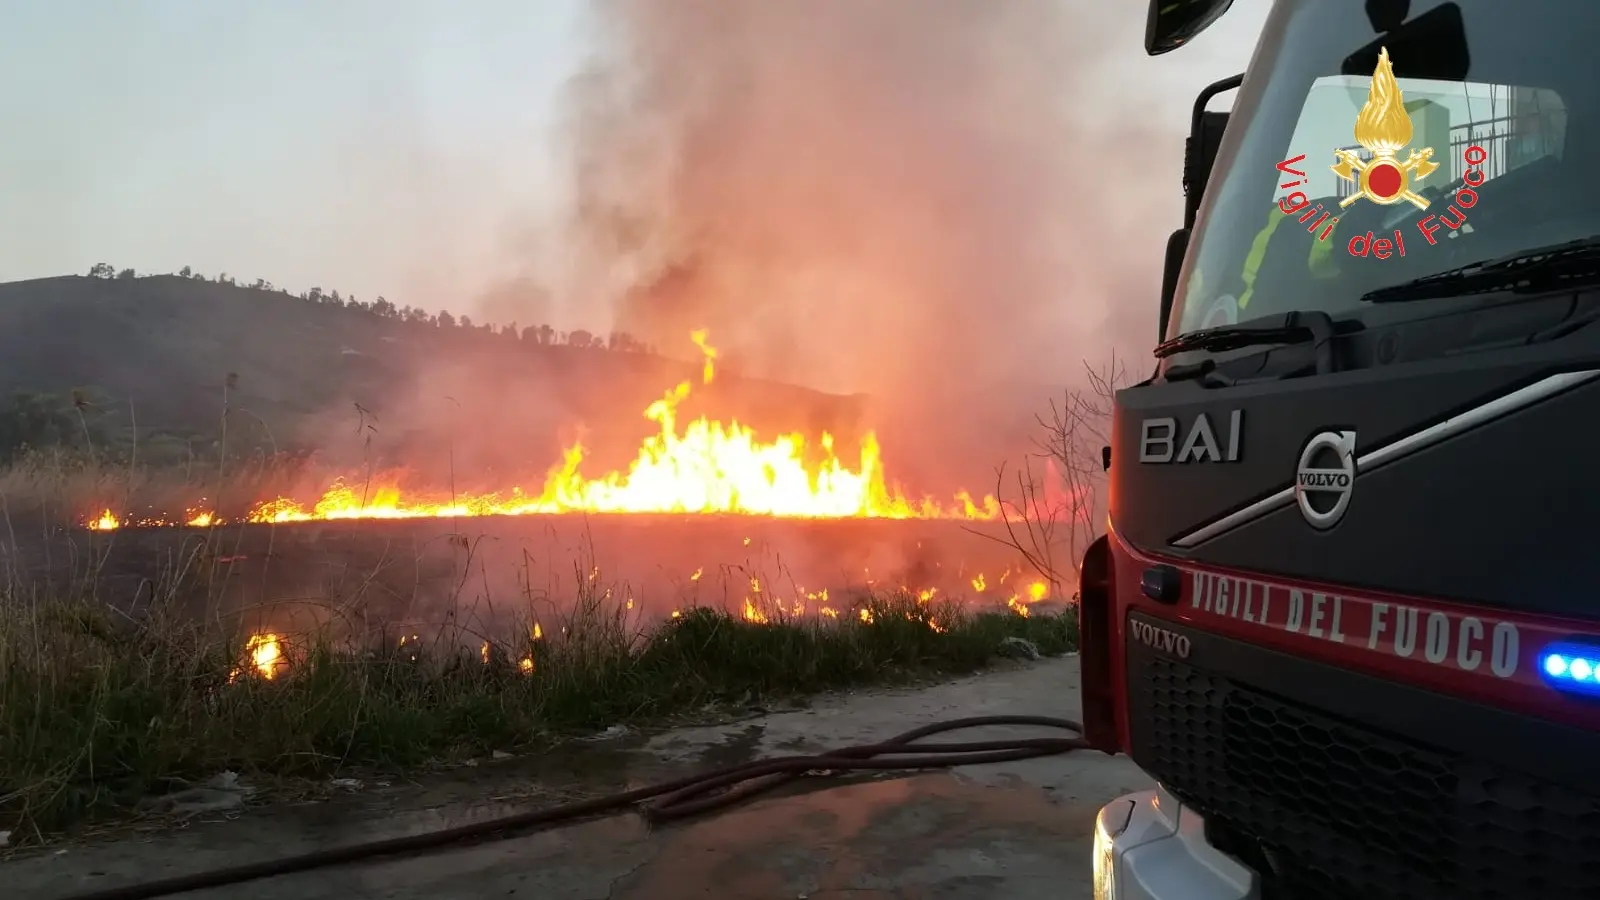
1341, 613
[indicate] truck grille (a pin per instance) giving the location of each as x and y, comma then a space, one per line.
1339, 811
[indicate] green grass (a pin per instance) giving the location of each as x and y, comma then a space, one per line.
97, 712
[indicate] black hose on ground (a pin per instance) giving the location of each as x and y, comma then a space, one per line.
679, 799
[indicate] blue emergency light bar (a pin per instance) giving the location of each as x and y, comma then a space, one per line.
1571, 667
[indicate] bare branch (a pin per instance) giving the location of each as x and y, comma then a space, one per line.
1059, 500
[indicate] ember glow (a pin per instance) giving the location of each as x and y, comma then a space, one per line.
702, 466
264, 656
110, 521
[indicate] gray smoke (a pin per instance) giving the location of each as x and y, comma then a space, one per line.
935, 202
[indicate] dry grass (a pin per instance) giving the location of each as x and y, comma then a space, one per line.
60, 486
98, 712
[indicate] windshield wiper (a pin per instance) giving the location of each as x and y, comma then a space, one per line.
1304, 327
1540, 270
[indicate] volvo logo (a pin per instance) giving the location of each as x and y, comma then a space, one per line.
1325, 477
1157, 638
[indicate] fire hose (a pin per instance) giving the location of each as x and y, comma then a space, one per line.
673, 800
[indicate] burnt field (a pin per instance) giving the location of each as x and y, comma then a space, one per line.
428, 570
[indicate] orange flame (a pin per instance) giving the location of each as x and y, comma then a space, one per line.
263, 655
1033, 593
703, 466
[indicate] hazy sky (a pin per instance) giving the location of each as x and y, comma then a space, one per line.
399, 147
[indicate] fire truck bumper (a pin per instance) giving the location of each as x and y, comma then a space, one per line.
1148, 847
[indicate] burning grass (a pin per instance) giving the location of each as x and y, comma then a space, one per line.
98, 711
681, 465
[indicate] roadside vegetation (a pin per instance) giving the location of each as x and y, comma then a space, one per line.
99, 712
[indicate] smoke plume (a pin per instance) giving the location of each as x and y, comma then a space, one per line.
934, 202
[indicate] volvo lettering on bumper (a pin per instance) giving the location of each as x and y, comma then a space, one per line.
1162, 640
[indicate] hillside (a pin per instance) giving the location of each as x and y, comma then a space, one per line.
104, 358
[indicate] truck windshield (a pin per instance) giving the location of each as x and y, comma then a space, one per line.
1332, 183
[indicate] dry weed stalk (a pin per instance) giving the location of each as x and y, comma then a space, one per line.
1059, 512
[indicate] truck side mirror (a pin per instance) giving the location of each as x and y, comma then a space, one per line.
1199, 155
1172, 23
1206, 130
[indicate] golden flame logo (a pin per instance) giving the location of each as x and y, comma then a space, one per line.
1383, 128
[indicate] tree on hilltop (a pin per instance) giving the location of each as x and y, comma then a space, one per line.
532, 335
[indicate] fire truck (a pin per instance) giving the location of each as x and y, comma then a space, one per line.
1340, 614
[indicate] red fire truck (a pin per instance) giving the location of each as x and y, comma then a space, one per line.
1340, 614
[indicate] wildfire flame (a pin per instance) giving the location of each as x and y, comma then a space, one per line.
703, 466
263, 656
1035, 591
1383, 126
